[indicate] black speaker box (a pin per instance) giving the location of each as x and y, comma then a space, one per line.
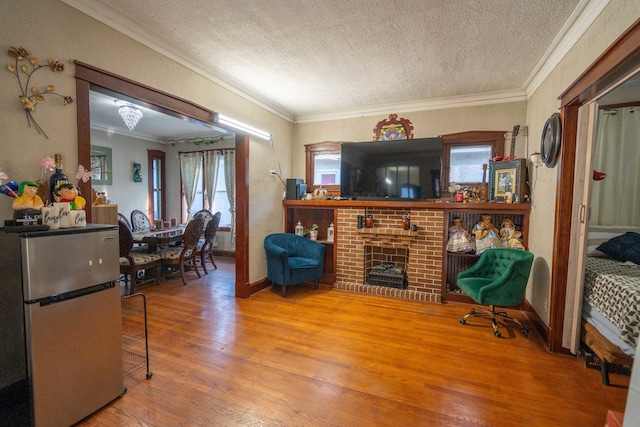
296, 189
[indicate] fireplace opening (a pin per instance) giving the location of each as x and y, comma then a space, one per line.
387, 275
386, 266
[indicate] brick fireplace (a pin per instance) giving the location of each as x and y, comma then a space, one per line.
420, 251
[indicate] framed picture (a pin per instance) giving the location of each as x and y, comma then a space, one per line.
101, 165
507, 181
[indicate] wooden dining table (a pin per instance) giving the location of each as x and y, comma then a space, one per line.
156, 237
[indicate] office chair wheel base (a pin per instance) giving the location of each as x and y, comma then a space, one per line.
462, 321
497, 334
525, 332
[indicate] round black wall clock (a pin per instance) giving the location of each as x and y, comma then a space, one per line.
550, 143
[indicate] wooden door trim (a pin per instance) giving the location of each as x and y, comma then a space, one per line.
621, 58
87, 75
151, 155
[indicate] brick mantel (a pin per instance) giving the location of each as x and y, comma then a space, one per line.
427, 257
387, 236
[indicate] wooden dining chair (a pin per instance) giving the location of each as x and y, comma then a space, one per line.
207, 215
205, 245
132, 262
124, 219
177, 257
139, 221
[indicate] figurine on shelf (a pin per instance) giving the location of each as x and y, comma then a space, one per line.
330, 232
312, 232
459, 238
486, 235
511, 238
69, 193
28, 204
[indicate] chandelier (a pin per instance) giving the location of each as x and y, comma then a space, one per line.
131, 115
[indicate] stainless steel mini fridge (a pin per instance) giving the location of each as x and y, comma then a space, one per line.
72, 321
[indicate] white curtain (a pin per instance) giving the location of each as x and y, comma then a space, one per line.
229, 157
190, 165
211, 159
615, 200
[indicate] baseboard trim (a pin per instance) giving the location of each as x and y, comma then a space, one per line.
224, 253
538, 324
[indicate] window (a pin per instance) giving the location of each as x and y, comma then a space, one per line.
464, 154
326, 169
220, 201
323, 166
465, 162
157, 187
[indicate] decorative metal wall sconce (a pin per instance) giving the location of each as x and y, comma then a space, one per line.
30, 96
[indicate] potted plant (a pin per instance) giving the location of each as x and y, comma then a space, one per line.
313, 232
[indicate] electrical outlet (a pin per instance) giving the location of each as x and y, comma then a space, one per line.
272, 172
544, 305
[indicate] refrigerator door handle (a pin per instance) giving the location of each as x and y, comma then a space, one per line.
54, 299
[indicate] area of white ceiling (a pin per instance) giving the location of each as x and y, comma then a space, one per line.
154, 126
313, 59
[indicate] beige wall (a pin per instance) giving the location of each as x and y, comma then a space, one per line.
425, 123
126, 151
49, 28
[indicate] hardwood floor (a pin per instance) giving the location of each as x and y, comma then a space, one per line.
334, 358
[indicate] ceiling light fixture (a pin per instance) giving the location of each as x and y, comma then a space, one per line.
130, 114
243, 127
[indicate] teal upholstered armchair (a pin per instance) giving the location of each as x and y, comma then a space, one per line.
293, 259
499, 278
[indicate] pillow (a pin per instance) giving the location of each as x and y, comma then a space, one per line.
598, 234
595, 253
623, 248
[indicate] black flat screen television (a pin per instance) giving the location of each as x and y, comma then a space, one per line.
391, 170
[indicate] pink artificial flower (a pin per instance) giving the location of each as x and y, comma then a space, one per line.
47, 164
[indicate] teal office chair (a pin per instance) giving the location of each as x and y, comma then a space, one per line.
499, 278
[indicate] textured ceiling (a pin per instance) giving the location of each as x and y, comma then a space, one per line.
312, 57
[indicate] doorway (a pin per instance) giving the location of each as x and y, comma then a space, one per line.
88, 77
612, 67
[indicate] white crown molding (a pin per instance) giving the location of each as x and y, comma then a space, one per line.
136, 31
422, 105
110, 131
582, 17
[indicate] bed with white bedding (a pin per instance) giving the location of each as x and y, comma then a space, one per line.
611, 297
612, 300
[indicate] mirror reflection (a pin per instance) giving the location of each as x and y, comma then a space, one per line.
141, 166
101, 165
